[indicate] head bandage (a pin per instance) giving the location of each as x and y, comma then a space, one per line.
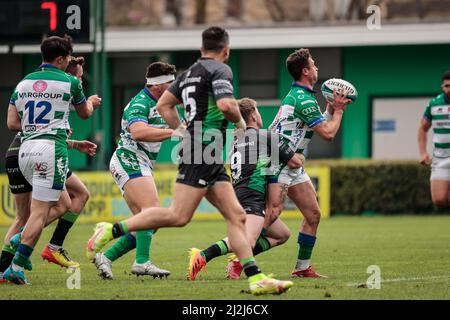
160, 79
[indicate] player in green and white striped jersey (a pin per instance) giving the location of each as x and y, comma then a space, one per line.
39, 108
143, 131
298, 118
437, 116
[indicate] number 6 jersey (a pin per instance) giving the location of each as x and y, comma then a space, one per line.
42, 100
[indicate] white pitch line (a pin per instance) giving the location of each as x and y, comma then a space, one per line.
403, 279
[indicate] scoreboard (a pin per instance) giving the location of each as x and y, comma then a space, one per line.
29, 21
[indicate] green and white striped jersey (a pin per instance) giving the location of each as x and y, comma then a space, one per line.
142, 107
43, 99
438, 113
296, 118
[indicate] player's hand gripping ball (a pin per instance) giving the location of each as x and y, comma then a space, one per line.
339, 85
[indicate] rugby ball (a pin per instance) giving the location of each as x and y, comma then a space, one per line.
338, 84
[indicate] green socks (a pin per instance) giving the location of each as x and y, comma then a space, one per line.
143, 242
125, 244
23, 253
251, 270
306, 244
219, 248
71, 217
119, 229
6, 257
262, 244
62, 228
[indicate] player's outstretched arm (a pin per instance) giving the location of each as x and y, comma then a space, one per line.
425, 125
166, 108
13, 120
140, 131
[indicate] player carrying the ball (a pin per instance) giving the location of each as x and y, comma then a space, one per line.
296, 121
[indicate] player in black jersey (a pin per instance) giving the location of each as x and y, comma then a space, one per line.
206, 92
251, 163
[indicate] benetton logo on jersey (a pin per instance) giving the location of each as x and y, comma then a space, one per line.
40, 86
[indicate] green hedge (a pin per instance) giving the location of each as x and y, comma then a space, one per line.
380, 187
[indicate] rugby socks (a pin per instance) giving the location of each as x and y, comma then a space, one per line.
62, 229
21, 257
6, 257
306, 244
119, 229
219, 248
262, 244
143, 242
125, 244
251, 270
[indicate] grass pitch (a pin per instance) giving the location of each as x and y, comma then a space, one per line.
412, 252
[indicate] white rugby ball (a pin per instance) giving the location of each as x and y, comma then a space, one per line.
338, 84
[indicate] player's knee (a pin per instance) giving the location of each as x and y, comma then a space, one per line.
79, 202
86, 195
274, 210
284, 236
180, 220
64, 206
313, 217
239, 217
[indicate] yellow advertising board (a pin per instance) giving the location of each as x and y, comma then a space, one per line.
106, 202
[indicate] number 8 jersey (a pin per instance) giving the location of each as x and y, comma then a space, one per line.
42, 100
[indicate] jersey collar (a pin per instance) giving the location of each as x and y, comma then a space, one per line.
150, 94
298, 85
446, 99
48, 66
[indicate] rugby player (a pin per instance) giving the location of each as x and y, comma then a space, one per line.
250, 163
436, 115
39, 108
79, 195
298, 118
206, 92
70, 204
143, 131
